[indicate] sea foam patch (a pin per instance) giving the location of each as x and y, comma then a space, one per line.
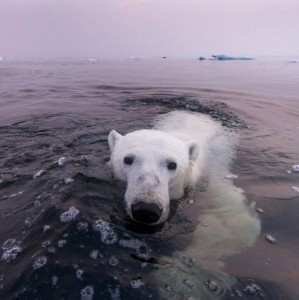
108, 235
69, 215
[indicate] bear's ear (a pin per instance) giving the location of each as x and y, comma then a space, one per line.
193, 150
113, 138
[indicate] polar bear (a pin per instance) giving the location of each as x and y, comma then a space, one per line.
159, 163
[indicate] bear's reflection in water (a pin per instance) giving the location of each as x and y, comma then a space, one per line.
226, 223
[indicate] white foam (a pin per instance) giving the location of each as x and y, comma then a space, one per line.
79, 274
140, 247
108, 236
11, 250
16, 194
61, 243
295, 168
70, 214
114, 294
87, 293
39, 262
136, 283
94, 254
54, 280
82, 226
45, 244
39, 173
46, 228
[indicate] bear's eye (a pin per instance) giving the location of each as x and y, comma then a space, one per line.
171, 166
128, 160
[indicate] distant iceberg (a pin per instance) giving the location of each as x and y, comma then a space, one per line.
225, 57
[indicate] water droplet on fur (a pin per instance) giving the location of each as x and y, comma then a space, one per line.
39, 262
270, 239
70, 214
87, 293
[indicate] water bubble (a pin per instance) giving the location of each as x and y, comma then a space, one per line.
46, 244
51, 250
212, 285
11, 250
82, 226
94, 254
39, 173
108, 236
46, 228
61, 161
68, 180
61, 243
231, 176
113, 261
114, 294
295, 168
87, 293
39, 262
136, 283
79, 274
140, 247
188, 283
252, 290
270, 239
70, 214
54, 280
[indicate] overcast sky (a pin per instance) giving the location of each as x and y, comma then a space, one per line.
122, 28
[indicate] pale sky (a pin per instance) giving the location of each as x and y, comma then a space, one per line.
150, 28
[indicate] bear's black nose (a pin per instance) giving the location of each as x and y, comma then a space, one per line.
148, 213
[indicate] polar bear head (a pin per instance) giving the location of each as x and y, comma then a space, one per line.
155, 165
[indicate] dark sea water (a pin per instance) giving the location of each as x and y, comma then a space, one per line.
55, 116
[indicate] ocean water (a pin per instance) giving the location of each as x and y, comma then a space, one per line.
64, 233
